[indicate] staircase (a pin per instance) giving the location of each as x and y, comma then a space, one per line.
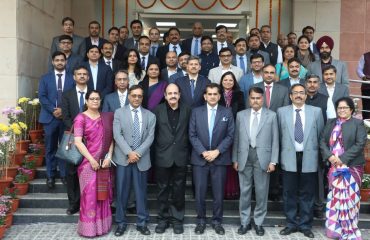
44, 205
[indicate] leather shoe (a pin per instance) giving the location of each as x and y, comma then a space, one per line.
288, 231
161, 227
199, 229
63, 180
178, 228
318, 214
218, 229
260, 231
307, 233
72, 210
120, 230
50, 182
244, 229
143, 230
131, 210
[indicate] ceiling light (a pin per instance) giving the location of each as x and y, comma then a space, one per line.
165, 24
214, 36
229, 25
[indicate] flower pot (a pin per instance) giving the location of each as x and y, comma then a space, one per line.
2, 231
17, 157
15, 204
36, 135
9, 220
11, 171
39, 160
4, 183
22, 188
365, 194
22, 145
367, 166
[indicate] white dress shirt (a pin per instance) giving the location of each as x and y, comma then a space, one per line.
139, 115
63, 77
302, 113
110, 62
94, 73
219, 46
78, 94
123, 96
293, 81
330, 110
178, 48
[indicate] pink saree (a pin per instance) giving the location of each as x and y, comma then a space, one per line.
95, 215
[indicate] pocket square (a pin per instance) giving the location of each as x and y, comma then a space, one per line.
225, 119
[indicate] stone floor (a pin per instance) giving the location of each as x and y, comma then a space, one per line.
47, 231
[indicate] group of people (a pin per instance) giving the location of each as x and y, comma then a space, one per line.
244, 115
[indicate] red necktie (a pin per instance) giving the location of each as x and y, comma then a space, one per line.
268, 96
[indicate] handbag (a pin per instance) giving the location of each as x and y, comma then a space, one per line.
67, 149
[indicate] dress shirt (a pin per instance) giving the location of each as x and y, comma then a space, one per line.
264, 90
63, 78
170, 72
173, 117
110, 60
294, 81
156, 48
195, 80
299, 146
139, 115
178, 49
252, 117
94, 41
257, 79
94, 73
146, 59
209, 112
223, 69
193, 45
311, 46
123, 95
78, 94
219, 46
280, 55
114, 50
245, 62
330, 111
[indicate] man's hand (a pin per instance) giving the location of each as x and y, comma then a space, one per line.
57, 113
133, 157
213, 154
235, 166
271, 168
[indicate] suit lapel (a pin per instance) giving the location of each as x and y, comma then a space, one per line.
307, 125
181, 117
205, 116
198, 87
145, 120
262, 120
246, 121
217, 118
116, 100
274, 94
290, 122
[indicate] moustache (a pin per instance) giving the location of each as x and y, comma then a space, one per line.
173, 98
298, 98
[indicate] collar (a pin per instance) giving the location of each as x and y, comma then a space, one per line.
122, 94
82, 90
209, 107
106, 60
302, 108
62, 72
141, 55
195, 78
132, 108
259, 111
271, 84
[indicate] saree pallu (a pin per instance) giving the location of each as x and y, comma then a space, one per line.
343, 205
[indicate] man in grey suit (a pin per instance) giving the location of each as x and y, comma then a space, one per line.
255, 154
133, 131
332, 89
300, 126
225, 56
119, 98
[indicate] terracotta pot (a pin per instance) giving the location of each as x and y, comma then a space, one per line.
9, 220
32, 175
15, 204
36, 135
365, 194
2, 231
11, 171
39, 126
17, 157
367, 166
22, 145
22, 188
4, 183
39, 160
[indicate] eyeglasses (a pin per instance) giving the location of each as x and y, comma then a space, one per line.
343, 108
94, 99
229, 55
136, 96
62, 42
299, 93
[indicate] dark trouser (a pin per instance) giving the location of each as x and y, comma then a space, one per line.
172, 181
365, 102
319, 193
299, 191
73, 186
125, 176
218, 178
275, 186
53, 135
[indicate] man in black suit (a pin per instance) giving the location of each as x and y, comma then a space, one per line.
171, 158
94, 36
272, 48
221, 36
294, 66
174, 45
118, 49
193, 44
123, 34
107, 51
182, 64
136, 30
145, 58
73, 104
171, 67
154, 35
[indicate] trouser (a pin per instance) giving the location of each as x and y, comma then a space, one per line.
365, 102
73, 186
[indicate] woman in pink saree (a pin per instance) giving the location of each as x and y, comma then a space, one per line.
93, 138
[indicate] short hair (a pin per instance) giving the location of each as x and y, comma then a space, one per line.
225, 49
268, 65
252, 29
113, 28
293, 59
255, 56
330, 67
79, 67
124, 26
144, 37
291, 33
68, 19
106, 43
94, 22
265, 26
213, 85
120, 71
309, 76
205, 38
136, 21
253, 35
165, 34
174, 28
91, 47
183, 53
58, 53
134, 87
256, 90
192, 57
178, 87
220, 27
307, 27
240, 40
154, 28
296, 85
349, 102
65, 37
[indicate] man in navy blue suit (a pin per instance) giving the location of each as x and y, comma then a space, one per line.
211, 131
193, 44
51, 87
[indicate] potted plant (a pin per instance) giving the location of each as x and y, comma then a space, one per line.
29, 163
34, 132
12, 194
5, 145
365, 188
21, 180
5, 200
3, 210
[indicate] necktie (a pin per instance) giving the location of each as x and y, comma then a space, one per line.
153, 50
211, 125
242, 64
222, 45
192, 87
108, 63
136, 132
254, 129
298, 127
196, 47
82, 102
143, 63
122, 100
268, 96
174, 49
135, 44
59, 89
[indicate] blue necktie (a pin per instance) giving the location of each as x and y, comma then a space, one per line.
136, 131
143, 63
153, 50
196, 47
298, 127
211, 125
174, 49
192, 87
242, 64
82, 103
60, 90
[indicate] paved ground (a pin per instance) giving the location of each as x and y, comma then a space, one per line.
47, 231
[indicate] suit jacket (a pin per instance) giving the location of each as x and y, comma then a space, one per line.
184, 84
267, 139
266, 57
161, 54
88, 43
340, 91
70, 107
222, 135
215, 74
171, 147
228, 45
245, 83
286, 82
111, 102
237, 102
104, 82
120, 52
129, 43
175, 76
78, 46
279, 96
354, 141
342, 72
313, 126
73, 61
116, 64
123, 136
48, 94
151, 60
164, 74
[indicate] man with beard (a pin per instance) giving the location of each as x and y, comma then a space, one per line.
208, 56
309, 31
271, 48
193, 44
174, 45
363, 72
292, 39
171, 66
254, 44
294, 66
107, 51
325, 45
123, 34
183, 63
94, 35
225, 56
136, 29
253, 77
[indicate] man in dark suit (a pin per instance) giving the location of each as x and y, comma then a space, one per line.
94, 36
182, 60
73, 104
174, 45
254, 43
171, 158
136, 30
171, 66
123, 34
119, 98
294, 65
240, 58
209, 56
192, 86
118, 49
145, 58
211, 131
193, 43
272, 48
221, 36
51, 87
154, 35
107, 51
100, 75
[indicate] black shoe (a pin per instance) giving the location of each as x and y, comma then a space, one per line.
199, 229
63, 180
131, 210
288, 231
307, 233
318, 214
161, 227
244, 229
260, 231
72, 210
120, 230
50, 182
178, 228
143, 230
274, 197
113, 209
218, 229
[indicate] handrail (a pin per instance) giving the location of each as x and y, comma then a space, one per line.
359, 81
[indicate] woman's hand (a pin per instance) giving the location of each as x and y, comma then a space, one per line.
94, 165
106, 163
